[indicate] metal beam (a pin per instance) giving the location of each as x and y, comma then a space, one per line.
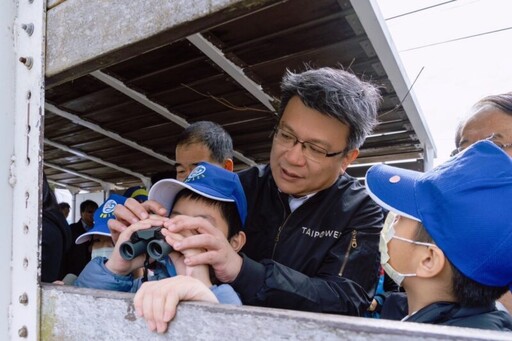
369, 14
218, 57
66, 186
140, 97
104, 184
77, 120
160, 109
95, 159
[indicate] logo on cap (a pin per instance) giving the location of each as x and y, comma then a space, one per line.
394, 179
196, 173
108, 208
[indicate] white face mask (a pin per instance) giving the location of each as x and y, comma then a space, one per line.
388, 233
102, 252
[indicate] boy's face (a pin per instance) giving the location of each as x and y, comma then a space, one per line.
99, 241
198, 208
401, 252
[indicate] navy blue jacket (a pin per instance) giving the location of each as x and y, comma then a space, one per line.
452, 314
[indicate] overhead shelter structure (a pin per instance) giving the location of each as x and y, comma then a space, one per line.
99, 107
123, 81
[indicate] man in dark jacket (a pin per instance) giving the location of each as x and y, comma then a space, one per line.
312, 231
448, 237
80, 254
55, 237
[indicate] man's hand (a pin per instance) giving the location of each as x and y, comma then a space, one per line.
118, 264
131, 212
156, 301
200, 272
219, 253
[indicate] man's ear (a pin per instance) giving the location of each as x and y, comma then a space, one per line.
238, 241
229, 165
432, 262
348, 159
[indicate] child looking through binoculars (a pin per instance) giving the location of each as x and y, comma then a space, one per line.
209, 193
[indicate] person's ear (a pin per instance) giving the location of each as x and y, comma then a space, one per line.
432, 262
348, 159
238, 241
229, 165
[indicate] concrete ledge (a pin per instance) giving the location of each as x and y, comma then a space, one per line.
70, 313
84, 35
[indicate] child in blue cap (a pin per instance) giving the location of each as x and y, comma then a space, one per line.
448, 237
210, 193
99, 236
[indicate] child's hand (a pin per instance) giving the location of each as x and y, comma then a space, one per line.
156, 301
131, 212
116, 263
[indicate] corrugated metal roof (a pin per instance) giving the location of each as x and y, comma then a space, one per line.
156, 93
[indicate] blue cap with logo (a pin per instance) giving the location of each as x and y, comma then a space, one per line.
464, 204
206, 180
138, 193
101, 217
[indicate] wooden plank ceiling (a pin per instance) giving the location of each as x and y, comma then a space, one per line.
130, 113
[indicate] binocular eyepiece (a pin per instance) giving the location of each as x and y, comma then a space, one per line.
150, 241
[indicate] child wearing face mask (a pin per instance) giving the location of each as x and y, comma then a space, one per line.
101, 242
448, 237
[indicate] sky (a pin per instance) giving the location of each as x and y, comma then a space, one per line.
464, 48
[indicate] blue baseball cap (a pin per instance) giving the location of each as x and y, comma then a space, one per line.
101, 217
206, 180
138, 193
464, 204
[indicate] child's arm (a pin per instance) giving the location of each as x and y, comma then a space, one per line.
96, 276
156, 301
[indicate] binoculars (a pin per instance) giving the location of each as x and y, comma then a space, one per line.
150, 241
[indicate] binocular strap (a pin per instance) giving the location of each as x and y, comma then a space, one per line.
146, 266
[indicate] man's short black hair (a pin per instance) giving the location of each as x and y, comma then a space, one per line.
87, 204
229, 210
338, 94
64, 205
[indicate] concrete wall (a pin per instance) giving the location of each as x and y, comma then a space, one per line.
70, 313
115, 30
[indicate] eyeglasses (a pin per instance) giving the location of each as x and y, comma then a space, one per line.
491, 138
310, 150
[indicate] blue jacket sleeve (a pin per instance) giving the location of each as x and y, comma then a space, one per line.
226, 294
96, 276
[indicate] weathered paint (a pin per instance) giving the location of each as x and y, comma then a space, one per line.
68, 315
21, 175
118, 29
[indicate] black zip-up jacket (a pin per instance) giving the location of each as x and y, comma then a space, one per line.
452, 314
323, 257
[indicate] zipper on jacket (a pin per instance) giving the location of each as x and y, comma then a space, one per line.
276, 239
351, 245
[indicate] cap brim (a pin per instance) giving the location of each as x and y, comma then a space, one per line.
165, 191
394, 189
87, 235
